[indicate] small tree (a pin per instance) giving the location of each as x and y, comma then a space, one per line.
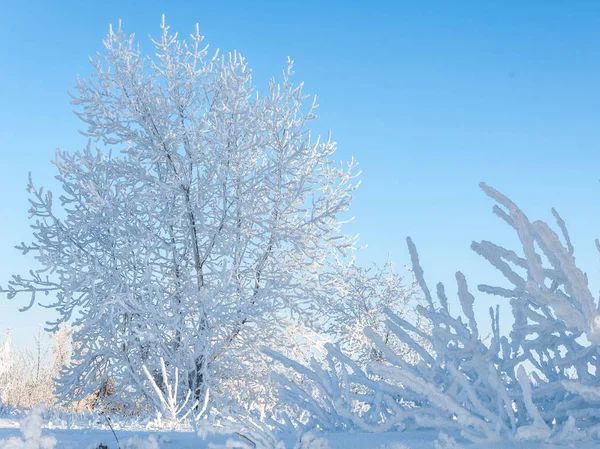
202, 236
62, 349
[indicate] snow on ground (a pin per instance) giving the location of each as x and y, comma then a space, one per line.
86, 438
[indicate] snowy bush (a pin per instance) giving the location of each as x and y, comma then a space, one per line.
31, 433
336, 395
484, 389
331, 387
463, 382
249, 431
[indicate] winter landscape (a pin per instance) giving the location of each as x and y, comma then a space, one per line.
192, 272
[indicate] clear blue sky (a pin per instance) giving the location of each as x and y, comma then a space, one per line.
430, 97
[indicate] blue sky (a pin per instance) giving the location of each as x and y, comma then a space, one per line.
430, 97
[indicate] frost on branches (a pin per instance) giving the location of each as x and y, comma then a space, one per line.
27, 373
463, 381
168, 403
357, 297
196, 229
6, 364
556, 320
248, 430
335, 394
331, 387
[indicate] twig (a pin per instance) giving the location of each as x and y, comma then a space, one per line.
246, 438
111, 428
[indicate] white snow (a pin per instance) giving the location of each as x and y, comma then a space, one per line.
87, 438
31, 433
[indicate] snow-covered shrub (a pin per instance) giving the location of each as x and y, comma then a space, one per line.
251, 432
556, 320
463, 382
483, 388
31, 433
330, 387
335, 395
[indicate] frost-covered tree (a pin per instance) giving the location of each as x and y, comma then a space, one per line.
6, 364
62, 349
28, 373
195, 228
